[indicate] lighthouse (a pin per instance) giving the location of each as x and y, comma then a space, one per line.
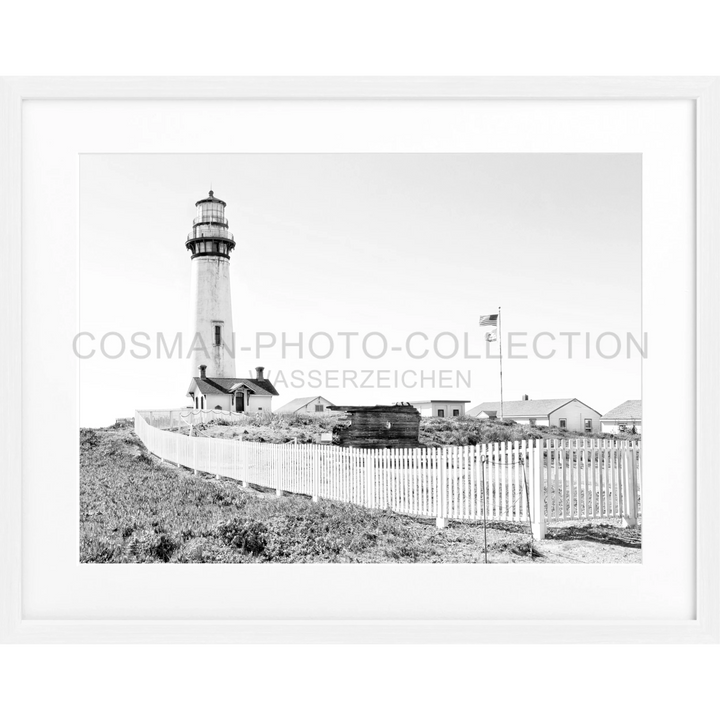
212, 348
210, 243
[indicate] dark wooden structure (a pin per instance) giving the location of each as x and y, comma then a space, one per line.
379, 426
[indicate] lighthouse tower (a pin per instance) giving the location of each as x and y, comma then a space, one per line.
210, 243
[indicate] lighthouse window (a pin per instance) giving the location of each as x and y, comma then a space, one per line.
218, 336
211, 214
216, 247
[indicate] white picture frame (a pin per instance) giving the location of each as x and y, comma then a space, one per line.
705, 627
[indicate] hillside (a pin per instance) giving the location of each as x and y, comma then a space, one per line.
135, 509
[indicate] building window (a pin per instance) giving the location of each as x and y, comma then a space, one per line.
456, 413
533, 421
563, 423
202, 402
196, 402
441, 413
218, 335
318, 408
622, 427
588, 424
216, 247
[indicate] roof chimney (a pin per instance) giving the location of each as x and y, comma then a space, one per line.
202, 369
525, 397
259, 373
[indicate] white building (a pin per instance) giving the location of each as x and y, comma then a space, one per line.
568, 413
212, 347
306, 406
440, 408
624, 418
232, 394
212, 342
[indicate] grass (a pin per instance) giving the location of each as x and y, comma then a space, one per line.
135, 509
467, 430
271, 427
434, 431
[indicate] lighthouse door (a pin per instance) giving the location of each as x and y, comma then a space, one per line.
240, 402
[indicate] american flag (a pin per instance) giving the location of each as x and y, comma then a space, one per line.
488, 320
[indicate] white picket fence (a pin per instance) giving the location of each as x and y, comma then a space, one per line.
537, 480
591, 478
182, 417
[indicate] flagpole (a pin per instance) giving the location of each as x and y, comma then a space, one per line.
502, 413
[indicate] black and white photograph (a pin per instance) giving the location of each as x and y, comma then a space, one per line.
360, 358
325, 359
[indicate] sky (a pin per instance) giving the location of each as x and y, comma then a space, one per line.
389, 244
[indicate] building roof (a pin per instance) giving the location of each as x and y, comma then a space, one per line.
629, 410
404, 408
213, 386
298, 403
522, 408
211, 198
257, 387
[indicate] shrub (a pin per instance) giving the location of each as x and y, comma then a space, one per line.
97, 550
246, 535
88, 439
152, 546
164, 547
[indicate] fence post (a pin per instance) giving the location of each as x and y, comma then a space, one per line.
369, 462
537, 490
629, 517
315, 473
244, 450
278, 468
441, 489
